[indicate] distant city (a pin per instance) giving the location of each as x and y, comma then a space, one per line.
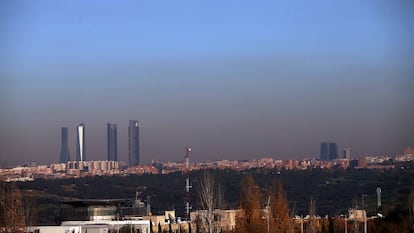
78, 214
330, 158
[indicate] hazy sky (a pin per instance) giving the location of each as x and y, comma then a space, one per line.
233, 79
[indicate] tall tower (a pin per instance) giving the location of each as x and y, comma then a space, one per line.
80, 142
329, 151
187, 182
133, 143
347, 153
112, 142
64, 149
333, 151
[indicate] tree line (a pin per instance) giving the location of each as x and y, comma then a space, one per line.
333, 190
266, 209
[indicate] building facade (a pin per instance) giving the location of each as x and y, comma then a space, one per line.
133, 143
64, 149
80, 143
112, 142
329, 151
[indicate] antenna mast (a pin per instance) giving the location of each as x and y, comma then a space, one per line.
187, 182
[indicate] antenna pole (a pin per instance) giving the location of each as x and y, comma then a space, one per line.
187, 182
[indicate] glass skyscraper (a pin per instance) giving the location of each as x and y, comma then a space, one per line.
80, 143
133, 143
329, 151
64, 149
112, 142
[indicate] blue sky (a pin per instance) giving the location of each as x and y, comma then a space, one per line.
235, 79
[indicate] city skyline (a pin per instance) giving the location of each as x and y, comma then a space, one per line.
234, 80
328, 150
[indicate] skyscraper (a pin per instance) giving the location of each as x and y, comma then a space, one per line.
329, 151
80, 143
112, 142
64, 149
133, 143
347, 153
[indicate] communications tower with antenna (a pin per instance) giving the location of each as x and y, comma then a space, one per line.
187, 182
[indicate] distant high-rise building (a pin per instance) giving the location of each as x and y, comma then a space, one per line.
64, 149
80, 143
133, 143
329, 151
347, 153
112, 142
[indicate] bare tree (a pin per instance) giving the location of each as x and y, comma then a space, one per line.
279, 209
30, 214
411, 207
12, 209
312, 216
249, 219
206, 193
220, 205
2, 205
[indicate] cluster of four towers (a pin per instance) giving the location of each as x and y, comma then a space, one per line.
112, 143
